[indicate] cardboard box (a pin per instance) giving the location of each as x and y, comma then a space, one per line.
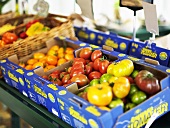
118, 43
14, 74
144, 50
79, 113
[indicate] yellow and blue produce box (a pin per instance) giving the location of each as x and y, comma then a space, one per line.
122, 109
118, 43
145, 50
14, 74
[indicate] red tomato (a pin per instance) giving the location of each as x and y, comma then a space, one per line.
85, 53
57, 73
65, 79
94, 75
62, 74
96, 64
9, 37
57, 82
88, 68
76, 71
80, 79
79, 60
103, 64
77, 66
96, 54
52, 77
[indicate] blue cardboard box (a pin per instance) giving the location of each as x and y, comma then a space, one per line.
144, 50
118, 43
79, 113
14, 74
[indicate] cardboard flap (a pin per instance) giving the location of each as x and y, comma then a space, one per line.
14, 59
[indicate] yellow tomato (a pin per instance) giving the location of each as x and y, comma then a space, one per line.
61, 61
52, 60
52, 53
69, 50
100, 94
38, 55
38, 64
32, 61
61, 55
48, 67
69, 56
22, 64
61, 50
55, 48
28, 67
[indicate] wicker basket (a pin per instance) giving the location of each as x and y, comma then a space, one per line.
6, 16
32, 43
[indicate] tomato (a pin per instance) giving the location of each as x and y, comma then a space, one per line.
57, 82
32, 61
65, 79
57, 73
83, 95
79, 60
52, 60
88, 68
77, 66
94, 82
38, 64
103, 64
60, 55
76, 71
45, 77
133, 89
62, 74
22, 64
69, 69
80, 79
134, 73
52, 77
116, 102
100, 94
61, 50
121, 87
48, 67
94, 75
61, 61
104, 108
55, 48
69, 56
51, 53
129, 106
138, 97
96, 54
123, 68
96, 64
130, 79
9, 37
23, 35
112, 80
105, 78
69, 50
85, 53
38, 55
28, 67
146, 81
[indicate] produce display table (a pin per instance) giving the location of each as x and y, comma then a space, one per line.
39, 117
142, 33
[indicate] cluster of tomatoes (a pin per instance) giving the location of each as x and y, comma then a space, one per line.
55, 56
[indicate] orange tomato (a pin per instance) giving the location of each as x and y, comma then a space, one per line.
60, 55
48, 67
38, 55
61, 61
55, 48
38, 64
61, 50
69, 50
69, 56
51, 60
28, 67
32, 61
52, 53
22, 64
2, 43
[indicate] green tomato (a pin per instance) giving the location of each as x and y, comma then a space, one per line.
133, 89
134, 73
129, 106
138, 97
105, 78
94, 82
116, 102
